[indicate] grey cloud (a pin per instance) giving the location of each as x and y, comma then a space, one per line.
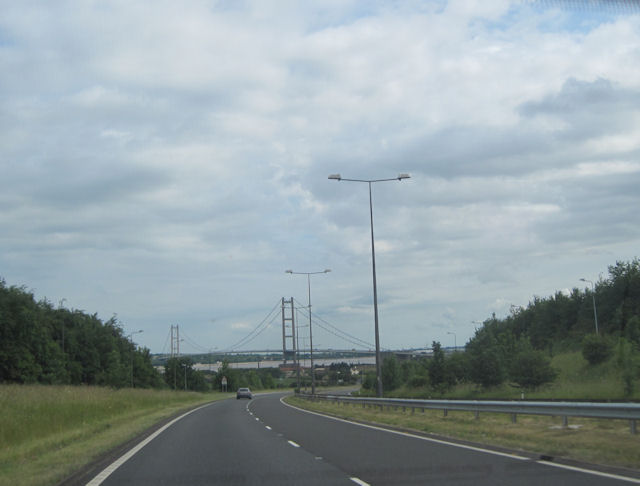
589, 108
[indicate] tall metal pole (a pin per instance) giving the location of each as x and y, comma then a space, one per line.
593, 297
313, 372
455, 343
400, 177
375, 303
308, 274
297, 344
133, 349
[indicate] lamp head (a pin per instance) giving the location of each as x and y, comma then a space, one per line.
403, 176
288, 271
327, 270
337, 177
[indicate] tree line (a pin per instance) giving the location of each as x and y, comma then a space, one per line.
517, 349
40, 343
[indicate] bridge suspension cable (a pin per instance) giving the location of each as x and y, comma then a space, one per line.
334, 330
259, 329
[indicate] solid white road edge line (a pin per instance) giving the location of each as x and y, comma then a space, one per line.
106, 472
359, 481
589, 471
473, 448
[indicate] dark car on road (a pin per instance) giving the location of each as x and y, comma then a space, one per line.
244, 393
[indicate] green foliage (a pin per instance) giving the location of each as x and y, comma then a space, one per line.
457, 368
632, 331
487, 353
339, 374
42, 344
596, 349
531, 369
628, 362
391, 378
486, 368
262, 378
369, 381
179, 374
439, 376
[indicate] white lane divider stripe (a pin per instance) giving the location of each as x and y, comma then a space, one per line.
267, 427
293, 443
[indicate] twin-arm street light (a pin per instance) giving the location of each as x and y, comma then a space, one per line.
308, 274
133, 352
593, 296
338, 177
455, 344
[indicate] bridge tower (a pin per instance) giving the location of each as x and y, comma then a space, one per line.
288, 332
175, 341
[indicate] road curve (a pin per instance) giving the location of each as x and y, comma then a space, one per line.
266, 442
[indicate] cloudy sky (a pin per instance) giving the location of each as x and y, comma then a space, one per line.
166, 162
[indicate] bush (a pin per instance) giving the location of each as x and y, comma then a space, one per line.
369, 381
531, 369
486, 369
391, 378
596, 349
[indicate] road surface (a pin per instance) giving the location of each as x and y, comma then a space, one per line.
265, 442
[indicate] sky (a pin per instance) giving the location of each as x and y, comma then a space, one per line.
165, 162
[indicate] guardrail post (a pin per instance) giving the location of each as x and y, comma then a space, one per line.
565, 421
633, 427
514, 418
413, 410
477, 414
445, 412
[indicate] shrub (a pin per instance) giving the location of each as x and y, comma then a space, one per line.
391, 378
531, 369
596, 349
486, 369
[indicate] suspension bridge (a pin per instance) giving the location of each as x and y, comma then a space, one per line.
296, 330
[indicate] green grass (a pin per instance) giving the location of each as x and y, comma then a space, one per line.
607, 442
49, 432
596, 441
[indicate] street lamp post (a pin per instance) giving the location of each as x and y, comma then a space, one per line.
132, 352
593, 296
308, 274
455, 343
338, 177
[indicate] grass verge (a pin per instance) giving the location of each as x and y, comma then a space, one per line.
605, 442
49, 432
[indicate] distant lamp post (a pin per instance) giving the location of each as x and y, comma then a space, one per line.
308, 274
133, 352
593, 296
455, 343
338, 177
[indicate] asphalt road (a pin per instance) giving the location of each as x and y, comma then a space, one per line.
263, 441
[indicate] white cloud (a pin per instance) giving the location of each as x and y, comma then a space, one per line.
168, 165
